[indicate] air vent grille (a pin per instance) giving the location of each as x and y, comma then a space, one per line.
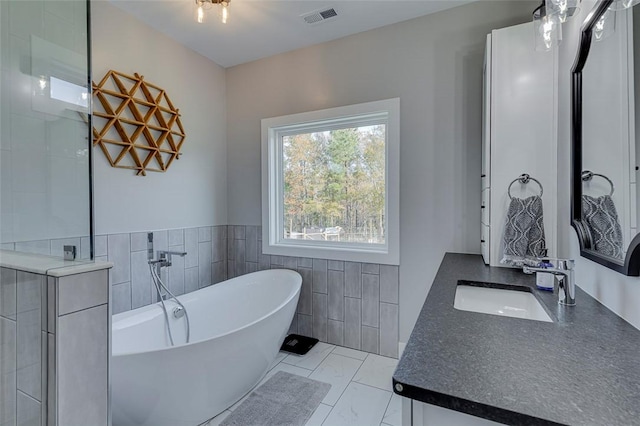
319, 16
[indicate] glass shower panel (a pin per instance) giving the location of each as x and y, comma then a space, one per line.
45, 182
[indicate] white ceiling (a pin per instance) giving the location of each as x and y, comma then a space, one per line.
261, 28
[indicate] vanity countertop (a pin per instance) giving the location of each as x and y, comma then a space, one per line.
583, 369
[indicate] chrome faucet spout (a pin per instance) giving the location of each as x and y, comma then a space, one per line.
564, 272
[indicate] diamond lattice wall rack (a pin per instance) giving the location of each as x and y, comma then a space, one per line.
137, 126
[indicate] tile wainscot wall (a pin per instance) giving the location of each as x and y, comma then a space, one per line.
349, 304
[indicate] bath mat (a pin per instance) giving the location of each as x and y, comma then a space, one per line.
284, 399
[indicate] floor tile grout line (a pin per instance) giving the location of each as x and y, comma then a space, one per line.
387, 408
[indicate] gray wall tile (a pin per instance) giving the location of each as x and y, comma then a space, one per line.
100, 245
29, 327
231, 269
320, 316
241, 267
252, 244
191, 247
8, 293
230, 248
160, 241
239, 253
219, 272
7, 246
82, 367
336, 295
119, 253
8, 344
139, 241
219, 244
370, 300
264, 260
231, 232
29, 378
305, 262
204, 264
305, 325
335, 332
352, 279
305, 299
320, 276
142, 290
34, 247
336, 265
369, 339
121, 297
290, 262
82, 291
352, 322
176, 237
370, 268
8, 395
176, 272
389, 283
29, 291
251, 267
85, 248
204, 234
239, 232
29, 410
293, 328
190, 279
389, 330
277, 260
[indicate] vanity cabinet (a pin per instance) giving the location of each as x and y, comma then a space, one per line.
519, 132
416, 413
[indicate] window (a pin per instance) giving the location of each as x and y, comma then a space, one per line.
330, 183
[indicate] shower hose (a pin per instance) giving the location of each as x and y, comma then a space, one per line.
157, 282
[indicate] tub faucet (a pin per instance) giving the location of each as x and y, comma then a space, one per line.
165, 256
563, 270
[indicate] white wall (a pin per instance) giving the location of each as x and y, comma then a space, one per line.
434, 65
193, 191
619, 293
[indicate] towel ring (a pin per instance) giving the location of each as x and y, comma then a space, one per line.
587, 175
524, 179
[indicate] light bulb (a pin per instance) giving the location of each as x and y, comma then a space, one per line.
225, 11
200, 14
598, 30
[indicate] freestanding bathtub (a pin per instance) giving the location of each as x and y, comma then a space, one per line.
237, 327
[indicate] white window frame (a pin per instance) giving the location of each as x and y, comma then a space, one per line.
273, 129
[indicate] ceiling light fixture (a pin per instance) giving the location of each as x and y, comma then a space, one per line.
203, 5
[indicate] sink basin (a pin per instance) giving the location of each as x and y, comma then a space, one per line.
498, 301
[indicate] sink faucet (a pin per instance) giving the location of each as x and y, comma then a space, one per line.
563, 270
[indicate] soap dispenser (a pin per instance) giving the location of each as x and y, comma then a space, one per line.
545, 280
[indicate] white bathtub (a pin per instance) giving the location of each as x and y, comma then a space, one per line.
237, 327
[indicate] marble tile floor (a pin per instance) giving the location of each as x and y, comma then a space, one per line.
360, 392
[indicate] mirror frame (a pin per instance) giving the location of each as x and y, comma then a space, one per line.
631, 266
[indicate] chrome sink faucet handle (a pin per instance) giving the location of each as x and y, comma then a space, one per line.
563, 270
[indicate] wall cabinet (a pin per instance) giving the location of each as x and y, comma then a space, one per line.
519, 132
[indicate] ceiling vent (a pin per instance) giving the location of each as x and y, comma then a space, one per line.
319, 16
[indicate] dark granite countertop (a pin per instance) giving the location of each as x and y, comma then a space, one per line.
582, 369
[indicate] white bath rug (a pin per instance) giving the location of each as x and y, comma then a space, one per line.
284, 399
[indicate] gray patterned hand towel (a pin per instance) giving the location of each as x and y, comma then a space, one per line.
601, 218
523, 237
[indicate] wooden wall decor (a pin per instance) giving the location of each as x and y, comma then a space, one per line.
135, 124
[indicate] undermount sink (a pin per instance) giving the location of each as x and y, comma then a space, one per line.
499, 301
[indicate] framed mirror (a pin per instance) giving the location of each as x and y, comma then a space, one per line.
605, 130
